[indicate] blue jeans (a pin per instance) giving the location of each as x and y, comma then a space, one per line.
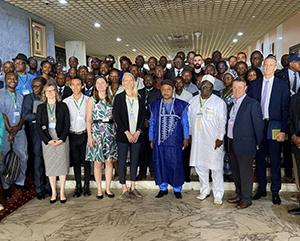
134, 160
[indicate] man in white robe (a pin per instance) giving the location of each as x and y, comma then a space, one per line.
207, 117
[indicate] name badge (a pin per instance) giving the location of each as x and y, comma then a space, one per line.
25, 92
52, 125
199, 115
132, 116
79, 117
16, 116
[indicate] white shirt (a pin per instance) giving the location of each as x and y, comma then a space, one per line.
62, 88
132, 113
268, 96
139, 83
77, 117
291, 78
176, 71
191, 88
185, 96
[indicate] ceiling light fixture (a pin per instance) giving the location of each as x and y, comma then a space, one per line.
62, 1
134, 50
119, 39
127, 45
280, 38
240, 33
234, 40
97, 25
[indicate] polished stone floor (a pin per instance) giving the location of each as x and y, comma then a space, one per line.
151, 219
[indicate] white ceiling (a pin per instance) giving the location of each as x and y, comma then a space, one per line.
161, 27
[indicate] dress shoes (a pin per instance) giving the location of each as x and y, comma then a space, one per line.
161, 193
276, 199
77, 192
295, 211
188, 180
289, 179
140, 177
259, 195
87, 191
242, 205
40, 195
99, 197
109, 195
126, 195
234, 200
6, 194
49, 192
202, 196
63, 201
23, 188
52, 201
178, 195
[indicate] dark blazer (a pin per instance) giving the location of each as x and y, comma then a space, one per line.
171, 74
284, 74
66, 93
294, 117
27, 107
153, 96
62, 122
279, 101
1, 84
120, 115
248, 129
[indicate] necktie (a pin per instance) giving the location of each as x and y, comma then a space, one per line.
178, 73
60, 91
264, 97
295, 83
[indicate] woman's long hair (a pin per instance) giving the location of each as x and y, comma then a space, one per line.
96, 92
44, 98
134, 91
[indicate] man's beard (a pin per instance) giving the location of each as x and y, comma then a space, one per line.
196, 66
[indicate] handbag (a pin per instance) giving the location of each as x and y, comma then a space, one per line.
11, 164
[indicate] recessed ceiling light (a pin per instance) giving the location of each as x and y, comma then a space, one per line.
119, 40
134, 50
234, 40
62, 1
253, 16
127, 45
97, 25
240, 33
280, 38
144, 56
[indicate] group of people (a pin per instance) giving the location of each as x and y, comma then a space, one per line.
207, 114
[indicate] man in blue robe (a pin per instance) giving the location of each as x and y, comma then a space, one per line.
168, 135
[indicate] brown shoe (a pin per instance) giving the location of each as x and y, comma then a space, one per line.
242, 205
234, 200
289, 179
140, 177
294, 196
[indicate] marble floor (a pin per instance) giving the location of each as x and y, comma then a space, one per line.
87, 218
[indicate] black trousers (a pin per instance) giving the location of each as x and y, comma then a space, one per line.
242, 172
186, 162
77, 154
296, 152
146, 155
287, 158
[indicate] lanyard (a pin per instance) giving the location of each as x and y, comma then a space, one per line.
113, 94
131, 104
103, 104
147, 94
201, 105
225, 95
24, 84
78, 108
234, 110
51, 111
13, 99
186, 88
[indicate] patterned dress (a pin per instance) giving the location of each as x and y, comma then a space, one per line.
104, 134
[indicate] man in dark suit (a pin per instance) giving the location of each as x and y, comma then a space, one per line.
177, 69
290, 74
89, 84
245, 132
150, 94
273, 95
63, 90
294, 134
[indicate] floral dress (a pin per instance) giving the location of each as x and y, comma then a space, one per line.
103, 132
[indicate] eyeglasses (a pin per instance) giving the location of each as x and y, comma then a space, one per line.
109, 59
49, 91
206, 86
20, 63
35, 86
221, 66
95, 62
178, 61
160, 70
32, 62
113, 75
50, 60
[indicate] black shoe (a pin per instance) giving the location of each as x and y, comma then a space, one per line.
187, 179
77, 191
52, 201
87, 192
23, 188
6, 194
259, 194
40, 195
276, 199
110, 195
161, 194
295, 211
178, 195
99, 197
63, 201
48, 192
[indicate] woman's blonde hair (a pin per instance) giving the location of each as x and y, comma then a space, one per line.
134, 91
44, 98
